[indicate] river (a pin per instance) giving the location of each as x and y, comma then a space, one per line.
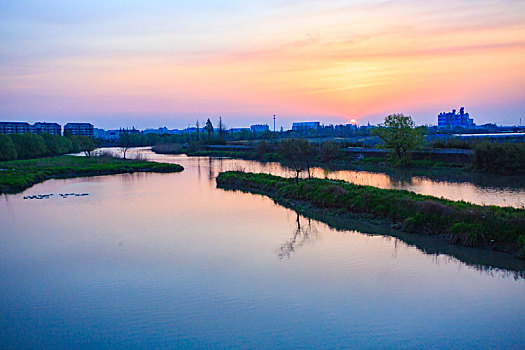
168, 260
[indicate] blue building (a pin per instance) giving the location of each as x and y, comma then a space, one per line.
79, 129
15, 128
303, 126
237, 130
451, 120
50, 128
23, 127
259, 128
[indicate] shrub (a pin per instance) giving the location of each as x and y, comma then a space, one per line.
330, 151
7, 148
500, 158
29, 145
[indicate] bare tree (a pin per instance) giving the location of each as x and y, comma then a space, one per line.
301, 236
297, 154
198, 131
87, 145
221, 126
125, 141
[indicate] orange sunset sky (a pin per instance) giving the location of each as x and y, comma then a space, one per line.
169, 63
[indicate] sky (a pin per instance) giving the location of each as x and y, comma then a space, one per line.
169, 63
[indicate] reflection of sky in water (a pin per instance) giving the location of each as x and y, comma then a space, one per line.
156, 260
496, 191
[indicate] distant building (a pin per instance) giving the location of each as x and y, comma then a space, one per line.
303, 126
99, 133
113, 135
15, 128
50, 128
191, 130
159, 131
450, 120
345, 128
79, 129
259, 128
162, 131
237, 130
108, 135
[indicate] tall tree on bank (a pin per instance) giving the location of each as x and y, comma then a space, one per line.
209, 128
198, 131
221, 126
28, 145
298, 155
125, 142
7, 148
86, 144
400, 135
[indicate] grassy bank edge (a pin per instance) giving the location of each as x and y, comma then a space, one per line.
373, 164
19, 175
457, 222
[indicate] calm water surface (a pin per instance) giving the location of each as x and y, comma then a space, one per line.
169, 260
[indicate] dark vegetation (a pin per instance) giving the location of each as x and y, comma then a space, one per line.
453, 143
26, 146
18, 175
488, 157
500, 158
459, 222
400, 135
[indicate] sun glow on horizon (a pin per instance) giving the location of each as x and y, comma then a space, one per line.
306, 59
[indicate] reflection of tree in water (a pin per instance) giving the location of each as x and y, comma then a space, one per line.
439, 258
302, 235
211, 174
485, 261
199, 167
401, 178
215, 165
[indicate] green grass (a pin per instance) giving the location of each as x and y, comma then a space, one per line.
459, 222
18, 175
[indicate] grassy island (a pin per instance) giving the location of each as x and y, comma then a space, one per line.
459, 222
17, 175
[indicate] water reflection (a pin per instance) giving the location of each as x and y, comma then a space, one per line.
483, 189
493, 190
485, 261
169, 260
482, 260
302, 235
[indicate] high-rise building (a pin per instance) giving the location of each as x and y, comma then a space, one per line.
50, 128
79, 129
15, 128
303, 126
450, 120
259, 128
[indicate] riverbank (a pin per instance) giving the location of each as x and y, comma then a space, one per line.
457, 222
17, 175
343, 163
438, 171
490, 158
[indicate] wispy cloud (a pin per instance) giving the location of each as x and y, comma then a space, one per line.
318, 58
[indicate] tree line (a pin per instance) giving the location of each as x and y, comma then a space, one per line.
500, 158
26, 146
